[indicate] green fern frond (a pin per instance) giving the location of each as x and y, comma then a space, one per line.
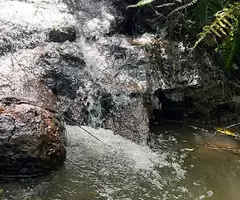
226, 28
225, 21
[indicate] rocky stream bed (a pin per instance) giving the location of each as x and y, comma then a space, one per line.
86, 63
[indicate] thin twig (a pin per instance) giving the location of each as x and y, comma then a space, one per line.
86, 131
236, 85
165, 5
232, 125
215, 134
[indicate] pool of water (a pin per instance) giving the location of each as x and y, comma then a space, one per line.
118, 169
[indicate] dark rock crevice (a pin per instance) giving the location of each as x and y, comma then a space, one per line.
167, 109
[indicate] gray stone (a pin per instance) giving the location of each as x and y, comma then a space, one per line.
32, 139
63, 34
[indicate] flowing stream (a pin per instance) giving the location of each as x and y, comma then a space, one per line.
118, 169
102, 75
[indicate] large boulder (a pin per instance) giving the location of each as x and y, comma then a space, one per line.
32, 139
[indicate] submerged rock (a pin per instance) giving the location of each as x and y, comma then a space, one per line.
32, 139
62, 34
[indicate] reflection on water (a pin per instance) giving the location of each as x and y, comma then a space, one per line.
118, 169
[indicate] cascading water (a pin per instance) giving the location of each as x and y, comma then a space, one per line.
68, 56
76, 73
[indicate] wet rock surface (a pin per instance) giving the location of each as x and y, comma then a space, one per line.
76, 58
62, 34
58, 57
32, 139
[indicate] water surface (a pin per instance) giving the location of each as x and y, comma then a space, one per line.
118, 169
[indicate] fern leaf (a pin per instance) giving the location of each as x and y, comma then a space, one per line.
221, 29
215, 31
221, 26
226, 22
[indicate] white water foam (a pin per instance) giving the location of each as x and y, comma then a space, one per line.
123, 164
140, 157
37, 15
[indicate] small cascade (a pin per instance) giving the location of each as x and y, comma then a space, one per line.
66, 60
79, 60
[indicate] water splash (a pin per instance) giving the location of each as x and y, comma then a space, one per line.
123, 165
40, 15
